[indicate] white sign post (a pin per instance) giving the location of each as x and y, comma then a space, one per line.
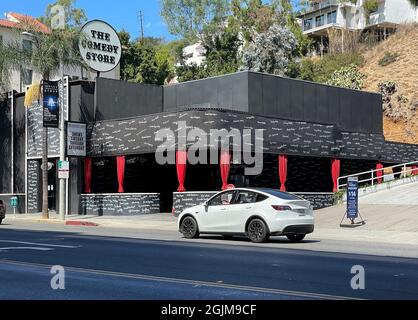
100, 46
63, 170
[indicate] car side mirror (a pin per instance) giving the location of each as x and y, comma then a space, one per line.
206, 205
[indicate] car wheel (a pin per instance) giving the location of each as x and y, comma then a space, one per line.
257, 231
1, 220
189, 228
296, 237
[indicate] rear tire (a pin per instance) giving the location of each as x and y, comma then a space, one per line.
189, 228
257, 231
296, 237
1, 220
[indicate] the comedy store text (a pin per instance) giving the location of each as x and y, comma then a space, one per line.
100, 47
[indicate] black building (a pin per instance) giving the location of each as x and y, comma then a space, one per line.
318, 132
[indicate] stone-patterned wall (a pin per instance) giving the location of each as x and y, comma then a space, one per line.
35, 131
319, 200
34, 186
137, 135
184, 200
119, 205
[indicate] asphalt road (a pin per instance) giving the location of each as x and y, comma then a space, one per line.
98, 267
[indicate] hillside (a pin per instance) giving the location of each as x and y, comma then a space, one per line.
404, 72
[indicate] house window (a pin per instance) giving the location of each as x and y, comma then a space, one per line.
26, 76
332, 17
27, 45
320, 21
307, 24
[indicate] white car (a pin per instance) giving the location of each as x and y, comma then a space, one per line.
256, 213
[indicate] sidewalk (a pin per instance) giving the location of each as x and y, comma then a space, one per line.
399, 228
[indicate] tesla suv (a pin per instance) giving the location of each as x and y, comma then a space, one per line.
256, 213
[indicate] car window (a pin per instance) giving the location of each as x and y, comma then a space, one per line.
281, 195
223, 199
247, 197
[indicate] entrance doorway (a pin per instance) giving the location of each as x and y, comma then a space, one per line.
52, 186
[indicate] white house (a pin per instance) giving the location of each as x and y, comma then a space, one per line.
194, 54
323, 15
24, 77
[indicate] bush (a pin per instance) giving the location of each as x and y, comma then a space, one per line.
388, 58
347, 77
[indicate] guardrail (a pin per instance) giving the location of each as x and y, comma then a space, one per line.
407, 169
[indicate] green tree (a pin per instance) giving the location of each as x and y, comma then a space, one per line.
74, 17
148, 61
187, 18
271, 52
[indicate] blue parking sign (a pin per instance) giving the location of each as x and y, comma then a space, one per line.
352, 198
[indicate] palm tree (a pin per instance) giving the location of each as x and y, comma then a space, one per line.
50, 51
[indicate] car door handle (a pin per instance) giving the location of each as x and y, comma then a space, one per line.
248, 208
224, 209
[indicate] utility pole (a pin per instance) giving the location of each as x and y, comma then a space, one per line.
141, 23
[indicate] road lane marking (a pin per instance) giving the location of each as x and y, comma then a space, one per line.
26, 248
300, 294
40, 244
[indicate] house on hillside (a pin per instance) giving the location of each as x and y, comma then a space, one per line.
378, 17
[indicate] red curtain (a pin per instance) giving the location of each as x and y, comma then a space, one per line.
225, 167
335, 170
121, 172
181, 163
415, 170
87, 174
283, 171
379, 172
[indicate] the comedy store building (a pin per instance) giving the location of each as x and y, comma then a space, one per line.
311, 135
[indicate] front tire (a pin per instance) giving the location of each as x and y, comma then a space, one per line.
257, 231
189, 228
296, 237
1, 220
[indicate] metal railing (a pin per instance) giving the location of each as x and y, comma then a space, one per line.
374, 178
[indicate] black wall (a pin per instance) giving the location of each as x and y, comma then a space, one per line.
228, 92
119, 99
350, 110
269, 95
5, 145
19, 144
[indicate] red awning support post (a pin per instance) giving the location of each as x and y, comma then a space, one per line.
87, 174
283, 159
120, 161
379, 172
335, 171
225, 166
181, 164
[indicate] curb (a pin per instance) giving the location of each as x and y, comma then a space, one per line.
81, 223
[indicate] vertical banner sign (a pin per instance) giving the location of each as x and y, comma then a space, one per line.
352, 198
76, 139
51, 110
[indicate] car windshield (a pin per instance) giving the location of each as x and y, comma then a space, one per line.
281, 195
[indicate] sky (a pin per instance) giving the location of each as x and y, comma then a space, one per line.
120, 13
